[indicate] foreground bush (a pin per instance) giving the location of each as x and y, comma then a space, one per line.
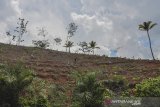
149, 88
13, 80
117, 84
20, 88
35, 95
89, 92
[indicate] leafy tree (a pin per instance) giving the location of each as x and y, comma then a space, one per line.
89, 92
72, 28
146, 26
68, 45
21, 29
93, 46
42, 43
58, 41
84, 47
10, 36
42, 32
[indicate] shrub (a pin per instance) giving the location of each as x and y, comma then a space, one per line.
20, 88
57, 96
89, 92
13, 80
35, 95
42, 94
117, 84
30, 102
149, 88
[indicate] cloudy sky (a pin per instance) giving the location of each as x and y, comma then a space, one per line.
111, 23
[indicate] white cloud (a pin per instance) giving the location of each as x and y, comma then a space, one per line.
15, 4
111, 23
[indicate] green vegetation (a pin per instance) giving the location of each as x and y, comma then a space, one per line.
13, 80
117, 84
89, 92
20, 88
149, 88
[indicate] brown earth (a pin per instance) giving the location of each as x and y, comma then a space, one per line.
55, 66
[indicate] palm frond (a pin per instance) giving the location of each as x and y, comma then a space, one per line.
141, 27
151, 26
97, 47
146, 26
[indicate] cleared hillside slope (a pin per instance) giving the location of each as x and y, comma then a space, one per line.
55, 66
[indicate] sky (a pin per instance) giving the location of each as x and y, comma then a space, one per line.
113, 24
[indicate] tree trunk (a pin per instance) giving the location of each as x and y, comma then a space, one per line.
93, 51
69, 49
150, 45
66, 49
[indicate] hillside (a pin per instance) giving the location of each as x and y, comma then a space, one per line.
55, 66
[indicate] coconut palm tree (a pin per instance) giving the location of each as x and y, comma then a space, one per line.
146, 26
68, 45
93, 46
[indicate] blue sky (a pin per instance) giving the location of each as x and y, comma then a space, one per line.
111, 23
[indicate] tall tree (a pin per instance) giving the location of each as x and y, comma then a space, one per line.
72, 28
10, 36
21, 29
93, 46
146, 26
68, 45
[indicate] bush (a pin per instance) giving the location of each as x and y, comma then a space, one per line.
89, 92
42, 94
31, 102
117, 84
13, 80
149, 88
57, 95
35, 95
20, 88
